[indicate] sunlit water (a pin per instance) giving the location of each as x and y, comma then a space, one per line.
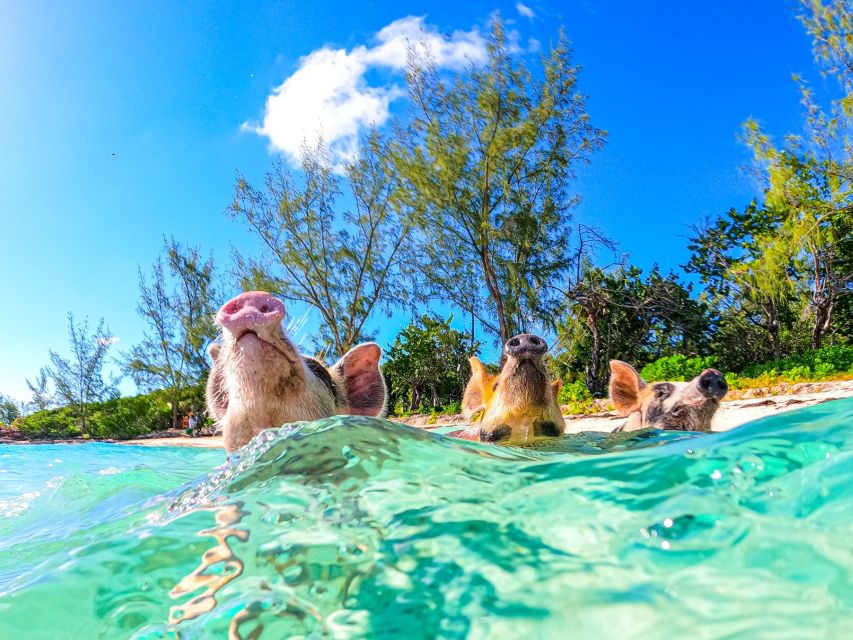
353, 527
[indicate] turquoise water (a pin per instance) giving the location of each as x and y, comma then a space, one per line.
352, 527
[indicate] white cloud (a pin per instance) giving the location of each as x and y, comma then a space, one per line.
106, 342
524, 10
329, 96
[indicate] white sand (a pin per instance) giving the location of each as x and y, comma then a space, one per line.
756, 403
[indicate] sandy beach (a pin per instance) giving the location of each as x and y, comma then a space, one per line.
744, 406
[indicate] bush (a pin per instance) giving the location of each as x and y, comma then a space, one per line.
574, 392
677, 368
50, 423
119, 418
129, 417
816, 363
811, 365
453, 407
576, 397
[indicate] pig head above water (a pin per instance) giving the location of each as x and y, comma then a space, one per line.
674, 406
259, 380
517, 403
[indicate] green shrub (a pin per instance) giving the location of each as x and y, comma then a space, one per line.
119, 418
824, 369
51, 423
123, 418
576, 397
677, 368
453, 407
816, 363
574, 392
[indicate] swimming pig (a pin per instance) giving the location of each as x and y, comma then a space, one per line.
676, 406
518, 402
259, 380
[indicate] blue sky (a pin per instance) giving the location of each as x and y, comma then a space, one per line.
122, 122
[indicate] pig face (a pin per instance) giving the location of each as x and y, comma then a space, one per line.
676, 406
518, 402
258, 378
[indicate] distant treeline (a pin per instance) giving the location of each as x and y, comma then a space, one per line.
467, 201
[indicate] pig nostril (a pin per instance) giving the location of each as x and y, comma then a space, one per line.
513, 343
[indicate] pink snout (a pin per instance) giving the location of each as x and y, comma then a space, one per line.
250, 311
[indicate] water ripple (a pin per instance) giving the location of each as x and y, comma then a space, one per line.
355, 527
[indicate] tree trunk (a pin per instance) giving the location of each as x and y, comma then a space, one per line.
774, 341
493, 288
822, 316
593, 372
773, 330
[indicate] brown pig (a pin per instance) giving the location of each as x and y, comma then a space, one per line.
676, 406
518, 402
259, 380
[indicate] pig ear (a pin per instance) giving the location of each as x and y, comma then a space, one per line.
359, 375
625, 386
556, 386
478, 391
213, 350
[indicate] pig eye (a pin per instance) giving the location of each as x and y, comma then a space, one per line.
494, 386
679, 411
661, 391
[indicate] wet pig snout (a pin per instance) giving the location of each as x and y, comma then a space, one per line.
525, 344
712, 384
250, 310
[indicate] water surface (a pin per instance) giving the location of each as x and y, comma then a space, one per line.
354, 527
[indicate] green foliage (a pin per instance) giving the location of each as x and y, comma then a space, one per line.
576, 398
813, 364
791, 251
50, 423
427, 366
178, 308
345, 264
123, 418
488, 161
623, 315
727, 256
9, 410
739, 342
118, 418
42, 398
677, 368
453, 407
574, 392
78, 380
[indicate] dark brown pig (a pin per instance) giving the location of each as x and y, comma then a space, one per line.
259, 380
518, 402
676, 406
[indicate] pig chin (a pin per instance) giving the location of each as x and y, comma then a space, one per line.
262, 360
526, 380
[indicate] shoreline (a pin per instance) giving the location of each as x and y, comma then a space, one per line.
746, 406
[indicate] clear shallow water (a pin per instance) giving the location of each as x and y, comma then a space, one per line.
352, 527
